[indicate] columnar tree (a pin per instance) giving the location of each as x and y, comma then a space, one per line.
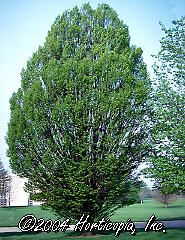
167, 164
79, 123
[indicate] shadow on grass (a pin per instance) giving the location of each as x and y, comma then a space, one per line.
15, 207
95, 233
70, 234
17, 234
171, 206
171, 219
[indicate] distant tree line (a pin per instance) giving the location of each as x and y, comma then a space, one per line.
5, 186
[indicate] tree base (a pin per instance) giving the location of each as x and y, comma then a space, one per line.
87, 234
84, 234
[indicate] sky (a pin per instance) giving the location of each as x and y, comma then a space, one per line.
24, 26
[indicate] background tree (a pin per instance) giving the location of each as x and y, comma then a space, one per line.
5, 181
167, 163
79, 123
144, 193
165, 199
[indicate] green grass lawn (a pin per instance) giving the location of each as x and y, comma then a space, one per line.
11, 216
172, 234
137, 212
142, 212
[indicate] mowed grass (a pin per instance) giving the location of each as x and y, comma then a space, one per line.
142, 212
137, 212
10, 216
172, 234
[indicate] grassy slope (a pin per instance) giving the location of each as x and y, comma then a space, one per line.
172, 234
11, 216
142, 212
137, 212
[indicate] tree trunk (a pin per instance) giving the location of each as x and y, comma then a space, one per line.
87, 234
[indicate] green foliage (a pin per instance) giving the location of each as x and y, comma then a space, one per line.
168, 160
79, 123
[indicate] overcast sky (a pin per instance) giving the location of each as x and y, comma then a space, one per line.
24, 26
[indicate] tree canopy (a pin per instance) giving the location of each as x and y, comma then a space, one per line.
79, 123
167, 164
